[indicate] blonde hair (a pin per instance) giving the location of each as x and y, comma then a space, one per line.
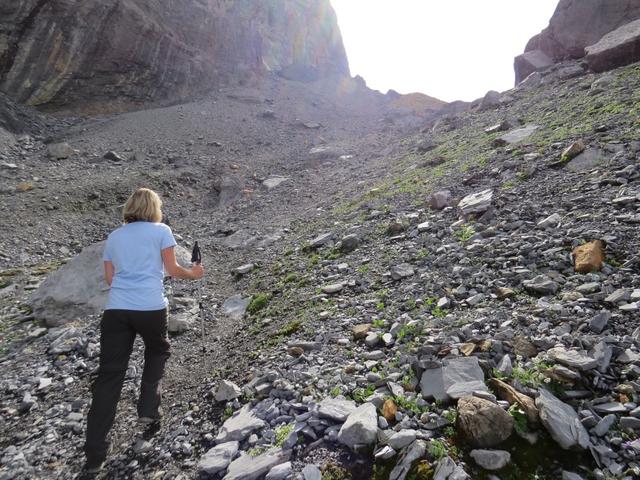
143, 205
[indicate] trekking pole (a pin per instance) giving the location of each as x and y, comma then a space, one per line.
196, 257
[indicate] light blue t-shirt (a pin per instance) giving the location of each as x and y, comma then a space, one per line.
134, 249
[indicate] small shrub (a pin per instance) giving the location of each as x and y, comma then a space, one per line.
258, 302
290, 328
464, 233
437, 449
282, 433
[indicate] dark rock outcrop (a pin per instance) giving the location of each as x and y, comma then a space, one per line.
62, 53
615, 49
575, 25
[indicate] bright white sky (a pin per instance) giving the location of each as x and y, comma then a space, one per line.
449, 49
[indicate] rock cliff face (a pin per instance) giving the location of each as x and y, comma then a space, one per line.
63, 53
575, 25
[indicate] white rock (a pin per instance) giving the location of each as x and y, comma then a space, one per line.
227, 391
360, 428
239, 426
218, 458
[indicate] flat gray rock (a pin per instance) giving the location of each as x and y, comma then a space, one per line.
518, 135
67, 339
457, 378
227, 391
274, 181
361, 427
587, 160
279, 472
218, 458
542, 285
417, 450
336, 409
572, 358
401, 271
239, 426
491, 459
236, 306
247, 467
561, 421
311, 472
476, 203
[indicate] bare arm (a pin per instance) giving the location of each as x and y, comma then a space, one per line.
177, 271
108, 272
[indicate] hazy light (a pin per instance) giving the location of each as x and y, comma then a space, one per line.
449, 49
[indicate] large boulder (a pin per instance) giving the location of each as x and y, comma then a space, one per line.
575, 25
615, 49
74, 291
78, 289
529, 62
67, 52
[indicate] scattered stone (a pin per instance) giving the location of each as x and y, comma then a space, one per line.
236, 306
227, 391
247, 467
274, 181
332, 288
541, 284
311, 472
515, 136
416, 451
360, 331
476, 203
360, 428
280, 472
458, 377
401, 271
491, 459
244, 269
60, 151
217, 458
321, 240
589, 257
389, 410
440, 200
572, 151
551, 221
113, 156
336, 409
349, 243
572, 358
600, 321
239, 426
483, 423
561, 421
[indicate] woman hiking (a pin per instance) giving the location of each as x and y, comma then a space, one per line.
134, 257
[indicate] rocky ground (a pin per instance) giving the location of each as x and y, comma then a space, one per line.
409, 302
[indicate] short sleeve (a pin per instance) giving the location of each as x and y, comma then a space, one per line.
167, 239
106, 254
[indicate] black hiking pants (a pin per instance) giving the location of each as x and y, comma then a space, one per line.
118, 332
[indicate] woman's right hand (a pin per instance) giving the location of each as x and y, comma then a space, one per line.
197, 271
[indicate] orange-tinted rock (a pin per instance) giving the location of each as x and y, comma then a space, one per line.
589, 257
389, 410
